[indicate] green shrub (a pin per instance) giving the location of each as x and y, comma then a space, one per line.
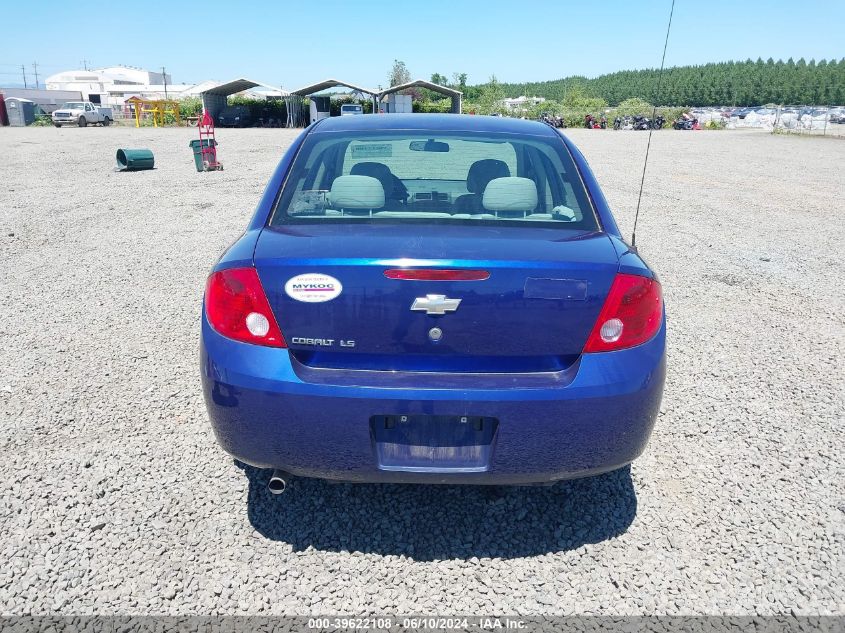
441, 106
190, 106
633, 107
262, 108
42, 120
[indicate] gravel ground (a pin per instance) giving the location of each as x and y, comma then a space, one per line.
116, 499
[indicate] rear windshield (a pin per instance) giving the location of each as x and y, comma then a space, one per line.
408, 176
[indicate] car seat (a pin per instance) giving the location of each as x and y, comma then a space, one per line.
394, 190
510, 197
481, 172
356, 195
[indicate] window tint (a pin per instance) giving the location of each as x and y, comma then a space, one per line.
403, 176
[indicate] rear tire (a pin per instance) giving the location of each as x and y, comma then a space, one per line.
82, 121
57, 124
106, 122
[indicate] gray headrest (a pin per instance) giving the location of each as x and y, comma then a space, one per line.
375, 170
510, 194
356, 192
482, 172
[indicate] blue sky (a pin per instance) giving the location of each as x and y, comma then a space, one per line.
295, 43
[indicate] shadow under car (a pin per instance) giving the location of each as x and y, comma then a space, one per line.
436, 522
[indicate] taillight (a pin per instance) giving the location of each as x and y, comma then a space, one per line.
632, 314
237, 308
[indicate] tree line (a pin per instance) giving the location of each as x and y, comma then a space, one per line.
747, 83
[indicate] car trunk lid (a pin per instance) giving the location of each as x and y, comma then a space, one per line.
337, 308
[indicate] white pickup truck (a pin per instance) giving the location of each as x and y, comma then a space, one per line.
82, 113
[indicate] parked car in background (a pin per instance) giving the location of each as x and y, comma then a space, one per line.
432, 299
235, 116
351, 108
743, 112
82, 113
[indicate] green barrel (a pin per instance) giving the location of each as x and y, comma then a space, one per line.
197, 146
134, 159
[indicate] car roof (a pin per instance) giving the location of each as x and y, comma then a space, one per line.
434, 123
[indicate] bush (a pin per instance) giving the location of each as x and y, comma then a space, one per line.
633, 107
441, 106
490, 98
262, 108
575, 106
577, 99
190, 106
672, 114
574, 118
258, 108
42, 120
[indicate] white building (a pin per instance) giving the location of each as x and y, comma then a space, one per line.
112, 86
520, 103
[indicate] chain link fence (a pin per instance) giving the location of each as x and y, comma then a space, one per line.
819, 121
807, 120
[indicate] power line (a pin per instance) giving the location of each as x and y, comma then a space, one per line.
651, 129
59, 66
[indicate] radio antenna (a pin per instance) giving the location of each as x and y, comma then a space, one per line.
651, 129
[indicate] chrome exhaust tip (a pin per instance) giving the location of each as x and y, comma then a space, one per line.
278, 482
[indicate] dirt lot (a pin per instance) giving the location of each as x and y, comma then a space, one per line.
115, 498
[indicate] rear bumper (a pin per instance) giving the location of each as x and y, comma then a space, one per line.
598, 419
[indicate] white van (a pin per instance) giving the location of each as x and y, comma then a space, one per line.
351, 108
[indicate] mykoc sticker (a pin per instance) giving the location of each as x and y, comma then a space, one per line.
313, 288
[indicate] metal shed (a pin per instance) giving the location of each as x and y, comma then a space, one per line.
296, 112
456, 95
214, 100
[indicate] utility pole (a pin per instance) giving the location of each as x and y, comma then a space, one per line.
23, 70
164, 78
35, 70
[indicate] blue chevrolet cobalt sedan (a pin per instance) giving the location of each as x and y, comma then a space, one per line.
433, 299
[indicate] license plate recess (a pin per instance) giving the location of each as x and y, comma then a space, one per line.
438, 443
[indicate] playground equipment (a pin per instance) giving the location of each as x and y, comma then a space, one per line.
158, 108
205, 149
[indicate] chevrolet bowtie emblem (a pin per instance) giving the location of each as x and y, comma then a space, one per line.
435, 304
